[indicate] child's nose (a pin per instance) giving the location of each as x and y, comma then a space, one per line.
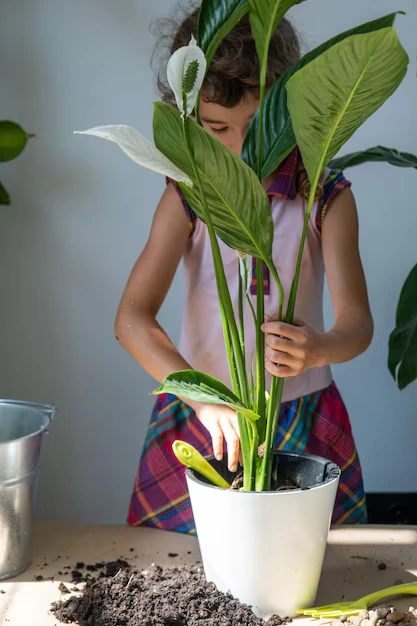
238, 142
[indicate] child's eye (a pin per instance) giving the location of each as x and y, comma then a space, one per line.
219, 130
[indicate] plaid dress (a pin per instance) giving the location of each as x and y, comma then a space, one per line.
317, 423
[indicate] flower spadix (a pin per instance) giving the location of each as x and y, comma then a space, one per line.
185, 72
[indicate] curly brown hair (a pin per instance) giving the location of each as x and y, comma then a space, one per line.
234, 69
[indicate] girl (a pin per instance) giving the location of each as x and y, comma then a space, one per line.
313, 418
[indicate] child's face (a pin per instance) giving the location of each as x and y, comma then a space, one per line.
229, 125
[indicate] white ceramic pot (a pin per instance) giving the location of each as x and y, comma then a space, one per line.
267, 548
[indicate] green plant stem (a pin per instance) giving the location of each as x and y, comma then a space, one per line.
243, 427
260, 303
263, 480
260, 349
249, 301
230, 358
252, 383
277, 384
266, 425
249, 480
230, 331
226, 306
197, 110
260, 338
241, 319
262, 87
277, 279
251, 434
294, 287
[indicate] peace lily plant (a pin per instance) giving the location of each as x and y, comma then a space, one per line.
318, 104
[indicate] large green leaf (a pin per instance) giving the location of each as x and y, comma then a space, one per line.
12, 140
217, 19
334, 94
402, 359
203, 388
379, 153
279, 139
237, 202
4, 196
265, 15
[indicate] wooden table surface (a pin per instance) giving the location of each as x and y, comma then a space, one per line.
350, 569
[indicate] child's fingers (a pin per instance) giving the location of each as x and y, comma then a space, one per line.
274, 318
217, 439
235, 424
282, 329
278, 344
276, 356
222, 423
232, 440
281, 371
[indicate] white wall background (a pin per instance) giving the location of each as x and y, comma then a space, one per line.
81, 213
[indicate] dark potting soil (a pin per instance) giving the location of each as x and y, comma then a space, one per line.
83, 573
77, 577
175, 596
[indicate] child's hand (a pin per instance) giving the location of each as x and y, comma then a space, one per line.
221, 422
290, 349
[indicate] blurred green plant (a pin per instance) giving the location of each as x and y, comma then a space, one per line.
13, 140
402, 352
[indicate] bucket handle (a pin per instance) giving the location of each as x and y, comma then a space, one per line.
49, 411
46, 409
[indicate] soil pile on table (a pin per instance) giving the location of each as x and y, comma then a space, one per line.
175, 596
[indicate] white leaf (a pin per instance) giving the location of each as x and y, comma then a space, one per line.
139, 149
178, 66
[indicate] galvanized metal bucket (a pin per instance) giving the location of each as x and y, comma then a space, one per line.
22, 429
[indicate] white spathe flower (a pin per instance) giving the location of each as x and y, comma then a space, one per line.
185, 72
139, 149
245, 269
